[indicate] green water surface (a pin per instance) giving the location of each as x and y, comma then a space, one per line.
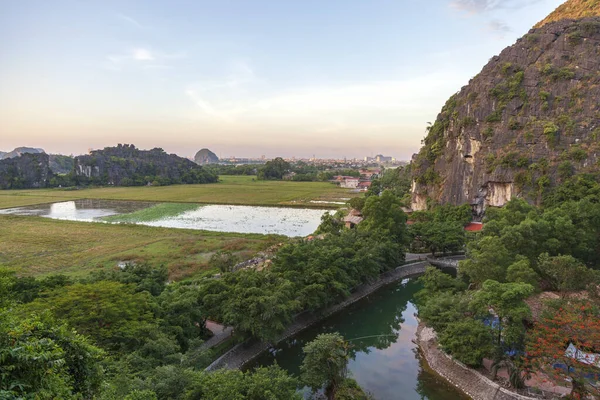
385, 361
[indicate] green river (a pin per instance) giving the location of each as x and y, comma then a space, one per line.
385, 362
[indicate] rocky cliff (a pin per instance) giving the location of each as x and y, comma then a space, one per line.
205, 156
529, 120
125, 165
29, 170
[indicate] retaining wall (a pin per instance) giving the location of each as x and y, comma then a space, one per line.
471, 382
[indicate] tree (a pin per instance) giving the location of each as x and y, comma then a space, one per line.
274, 169
269, 383
564, 273
261, 304
223, 260
576, 323
488, 258
109, 312
384, 216
506, 302
181, 313
325, 363
42, 359
521, 271
468, 340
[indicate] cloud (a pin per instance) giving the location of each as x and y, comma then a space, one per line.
481, 6
142, 54
499, 27
130, 20
141, 57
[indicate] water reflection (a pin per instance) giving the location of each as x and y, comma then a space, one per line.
384, 361
221, 218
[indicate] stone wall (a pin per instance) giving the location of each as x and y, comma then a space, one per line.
471, 382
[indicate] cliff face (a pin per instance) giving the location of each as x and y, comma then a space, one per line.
529, 120
125, 165
29, 170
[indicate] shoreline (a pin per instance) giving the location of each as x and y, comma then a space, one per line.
469, 381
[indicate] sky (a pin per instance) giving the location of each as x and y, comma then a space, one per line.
244, 78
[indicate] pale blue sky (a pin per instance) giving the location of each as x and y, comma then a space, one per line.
243, 78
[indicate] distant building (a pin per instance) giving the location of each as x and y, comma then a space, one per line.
353, 218
350, 183
364, 186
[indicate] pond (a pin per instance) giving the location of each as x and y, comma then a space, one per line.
221, 218
385, 362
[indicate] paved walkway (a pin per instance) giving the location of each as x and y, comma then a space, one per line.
220, 334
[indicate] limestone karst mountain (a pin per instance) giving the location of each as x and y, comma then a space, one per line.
19, 151
527, 122
205, 156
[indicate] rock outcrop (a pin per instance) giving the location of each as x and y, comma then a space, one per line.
529, 120
125, 165
205, 156
29, 170
19, 151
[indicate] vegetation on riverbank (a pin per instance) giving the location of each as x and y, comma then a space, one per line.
236, 190
39, 246
524, 250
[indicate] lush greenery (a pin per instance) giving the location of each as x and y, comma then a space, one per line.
41, 246
152, 213
125, 165
440, 229
522, 250
310, 274
128, 335
238, 190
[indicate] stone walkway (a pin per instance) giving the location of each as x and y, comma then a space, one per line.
220, 334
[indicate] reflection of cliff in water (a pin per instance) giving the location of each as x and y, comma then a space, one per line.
384, 360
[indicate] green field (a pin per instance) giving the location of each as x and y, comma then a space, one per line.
239, 190
40, 246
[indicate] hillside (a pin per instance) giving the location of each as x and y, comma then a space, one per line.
19, 151
574, 9
29, 170
125, 165
528, 121
205, 156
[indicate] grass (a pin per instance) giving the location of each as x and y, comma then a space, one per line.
237, 190
37, 246
158, 211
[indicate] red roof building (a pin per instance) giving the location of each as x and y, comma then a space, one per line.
474, 227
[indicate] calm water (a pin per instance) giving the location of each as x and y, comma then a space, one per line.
221, 218
381, 329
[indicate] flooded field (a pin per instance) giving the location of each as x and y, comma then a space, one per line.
220, 218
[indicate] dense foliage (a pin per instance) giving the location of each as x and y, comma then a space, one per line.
125, 165
522, 250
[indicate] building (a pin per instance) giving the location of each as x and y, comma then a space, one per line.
350, 183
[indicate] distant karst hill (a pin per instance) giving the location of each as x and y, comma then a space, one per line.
26, 171
528, 121
205, 156
59, 164
125, 165
18, 151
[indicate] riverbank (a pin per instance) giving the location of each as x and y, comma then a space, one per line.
471, 382
242, 354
